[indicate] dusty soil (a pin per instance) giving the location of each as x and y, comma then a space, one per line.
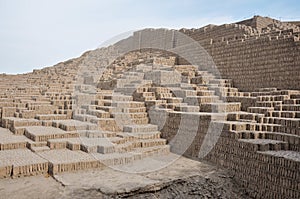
184, 178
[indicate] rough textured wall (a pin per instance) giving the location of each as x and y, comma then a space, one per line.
255, 53
259, 63
261, 57
258, 22
219, 33
264, 175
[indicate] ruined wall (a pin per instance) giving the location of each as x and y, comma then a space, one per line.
258, 22
253, 58
257, 62
264, 175
297, 23
219, 33
185, 132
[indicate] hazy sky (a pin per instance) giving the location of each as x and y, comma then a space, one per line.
39, 33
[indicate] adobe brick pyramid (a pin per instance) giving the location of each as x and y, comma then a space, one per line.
259, 139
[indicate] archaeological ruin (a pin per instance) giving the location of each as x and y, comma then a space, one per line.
228, 95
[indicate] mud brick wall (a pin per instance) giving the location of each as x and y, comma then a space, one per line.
164, 61
187, 132
258, 22
239, 52
218, 33
258, 62
264, 175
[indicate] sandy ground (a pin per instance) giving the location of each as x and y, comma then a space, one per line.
184, 178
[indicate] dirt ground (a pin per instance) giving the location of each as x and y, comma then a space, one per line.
182, 178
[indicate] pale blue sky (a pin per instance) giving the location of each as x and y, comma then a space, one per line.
40, 33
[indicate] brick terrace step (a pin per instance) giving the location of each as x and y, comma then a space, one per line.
21, 162
266, 144
64, 160
140, 128
220, 107
42, 133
